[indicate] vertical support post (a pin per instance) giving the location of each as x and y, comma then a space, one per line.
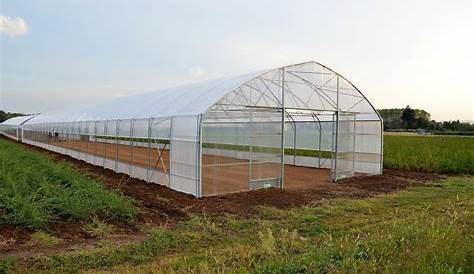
95, 142
334, 175
354, 146
294, 143
130, 168
315, 117
319, 149
282, 170
47, 138
105, 143
81, 133
381, 144
293, 125
199, 157
117, 125
251, 136
67, 127
149, 150
85, 138
170, 157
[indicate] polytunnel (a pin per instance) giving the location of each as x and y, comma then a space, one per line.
289, 127
11, 127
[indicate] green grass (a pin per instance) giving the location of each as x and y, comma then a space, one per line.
421, 230
97, 229
36, 191
44, 239
444, 154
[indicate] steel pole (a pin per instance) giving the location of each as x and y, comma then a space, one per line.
282, 170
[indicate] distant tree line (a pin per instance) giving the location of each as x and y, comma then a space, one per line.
7, 115
408, 118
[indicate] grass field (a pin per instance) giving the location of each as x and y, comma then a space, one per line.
444, 154
35, 191
423, 230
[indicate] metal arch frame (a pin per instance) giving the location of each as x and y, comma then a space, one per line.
320, 130
223, 104
373, 108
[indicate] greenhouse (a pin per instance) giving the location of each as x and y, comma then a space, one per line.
12, 127
289, 127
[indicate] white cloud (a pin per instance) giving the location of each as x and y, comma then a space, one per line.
13, 27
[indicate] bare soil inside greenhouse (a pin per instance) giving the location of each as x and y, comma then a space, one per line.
220, 174
162, 206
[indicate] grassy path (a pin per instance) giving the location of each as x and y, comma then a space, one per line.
426, 229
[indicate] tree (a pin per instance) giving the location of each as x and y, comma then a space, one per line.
7, 115
3, 116
408, 118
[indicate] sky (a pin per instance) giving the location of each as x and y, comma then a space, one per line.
57, 54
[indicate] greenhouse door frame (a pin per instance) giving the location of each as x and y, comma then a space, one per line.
263, 158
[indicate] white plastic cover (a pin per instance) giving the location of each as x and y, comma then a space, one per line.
16, 121
192, 99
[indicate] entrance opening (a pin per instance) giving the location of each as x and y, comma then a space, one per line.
308, 148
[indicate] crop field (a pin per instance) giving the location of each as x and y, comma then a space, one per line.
443, 154
60, 215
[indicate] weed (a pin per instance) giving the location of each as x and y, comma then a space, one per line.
97, 228
7, 264
267, 241
44, 239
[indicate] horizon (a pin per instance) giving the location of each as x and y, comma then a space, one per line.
56, 55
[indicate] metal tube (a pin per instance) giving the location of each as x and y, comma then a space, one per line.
250, 144
337, 131
353, 147
294, 145
149, 150
199, 158
381, 145
95, 143
319, 129
130, 168
117, 125
282, 171
170, 170
320, 154
105, 143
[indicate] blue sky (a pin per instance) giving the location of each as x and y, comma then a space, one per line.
396, 52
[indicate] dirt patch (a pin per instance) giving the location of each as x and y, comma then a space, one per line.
160, 205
